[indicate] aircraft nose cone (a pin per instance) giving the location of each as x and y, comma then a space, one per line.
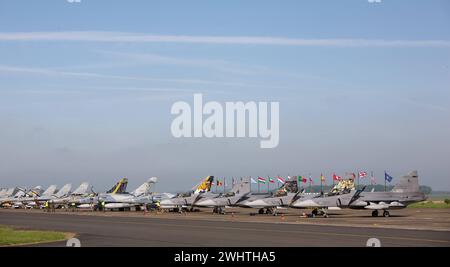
205, 203
256, 203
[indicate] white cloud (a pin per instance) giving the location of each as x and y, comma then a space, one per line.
51, 72
95, 36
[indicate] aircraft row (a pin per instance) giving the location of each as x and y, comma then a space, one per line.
289, 195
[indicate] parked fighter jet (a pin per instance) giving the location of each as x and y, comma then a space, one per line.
29, 202
47, 196
335, 199
90, 200
138, 197
282, 198
81, 192
290, 187
10, 192
5, 200
403, 194
188, 200
221, 201
21, 195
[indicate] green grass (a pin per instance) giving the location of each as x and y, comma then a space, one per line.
430, 204
10, 236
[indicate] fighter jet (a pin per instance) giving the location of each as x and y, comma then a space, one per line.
186, 201
248, 201
403, 194
229, 199
5, 200
50, 195
138, 197
91, 199
22, 195
281, 199
9, 192
81, 192
344, 195
342, 198
29, 202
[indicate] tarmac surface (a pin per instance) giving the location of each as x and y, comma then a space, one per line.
200, 229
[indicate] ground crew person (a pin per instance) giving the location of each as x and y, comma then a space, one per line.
46, 206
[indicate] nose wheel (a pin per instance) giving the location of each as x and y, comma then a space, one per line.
385, 213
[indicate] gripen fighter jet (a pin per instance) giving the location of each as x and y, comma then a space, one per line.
229, 199
248, 201
282, 198
185, 201
138, 197
403, 194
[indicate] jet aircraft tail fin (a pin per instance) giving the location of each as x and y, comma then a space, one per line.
64, 191
49, 191
241, 187
82, 189
408, 183
145, 187
120, 187
204, 186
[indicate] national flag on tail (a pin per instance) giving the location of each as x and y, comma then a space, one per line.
387, 177
280, 179
219, 183
336, 177
362, 174
311, 180
261, 180
271, 180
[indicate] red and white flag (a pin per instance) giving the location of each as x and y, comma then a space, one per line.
280, 179
362, 174
336, 177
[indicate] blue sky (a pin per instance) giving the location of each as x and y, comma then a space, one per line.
86, 88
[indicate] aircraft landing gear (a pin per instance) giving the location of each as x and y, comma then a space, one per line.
386, 214
375, 213
219, 210
317, 212
261, 211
